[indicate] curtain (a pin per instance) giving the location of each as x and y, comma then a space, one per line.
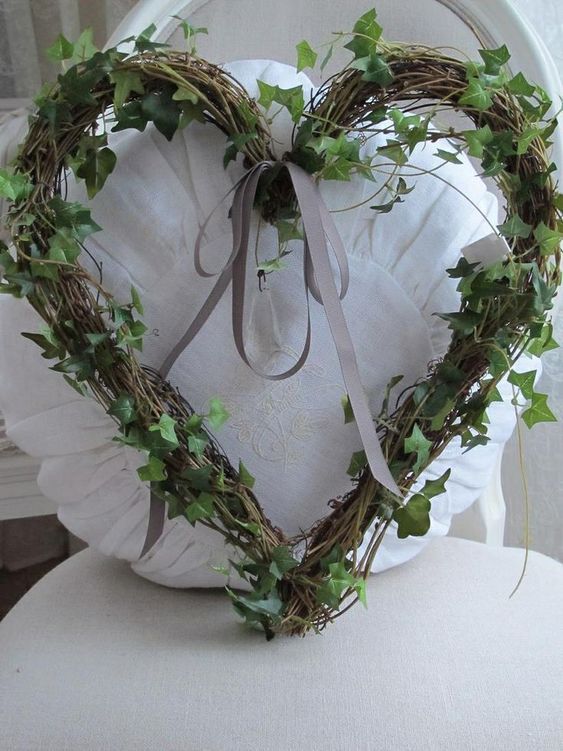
27, 27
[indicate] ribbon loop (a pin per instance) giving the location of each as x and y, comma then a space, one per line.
319, 231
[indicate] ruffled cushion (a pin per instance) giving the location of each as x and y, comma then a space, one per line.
290, 433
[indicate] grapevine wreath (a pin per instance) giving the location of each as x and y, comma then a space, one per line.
401, 91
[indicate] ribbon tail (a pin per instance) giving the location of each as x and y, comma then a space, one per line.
157, 515
203, 314
309, 200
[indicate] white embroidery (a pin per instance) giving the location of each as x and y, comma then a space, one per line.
274, 417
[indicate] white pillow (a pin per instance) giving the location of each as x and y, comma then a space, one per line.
290, 434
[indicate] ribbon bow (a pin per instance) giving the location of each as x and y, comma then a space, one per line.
318, 227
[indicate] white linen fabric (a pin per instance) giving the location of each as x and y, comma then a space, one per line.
290, 433
95, 658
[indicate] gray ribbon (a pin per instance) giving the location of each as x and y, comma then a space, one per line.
319, 281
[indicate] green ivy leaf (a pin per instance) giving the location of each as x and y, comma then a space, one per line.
548, 239
288, 231
200, 478
244, 476
155, 443
463, 322
343, 146
164, 112
84, 47
375, 69
544, 293
183, 94
80, 388
385, 208
272, 264
538, 411
462, 269
292, 99
306, 56
282, 561
525, 138
74, 216
251, 527
357, 463
544, 342
96, 167
253, 607
393, 151
81, 366
60, 50
448, 156
166, 426
125, 82
14, 186
327, 57
366, 34
347, 408
519, 85
403, 123
339, 580
477, 140
63, 246
413, 519
470, 440
236, 143
200, 508
136, 301
191, 112
515, 227
418, 444
143, 42
476, 97
131, 335
124, 409
19, 284
524, 381
495, 59
190, 32
436, 487
46, 339
130, 116
153, 471
336, 554
198, 443
339, 169
388, 389
218, 414
194, 423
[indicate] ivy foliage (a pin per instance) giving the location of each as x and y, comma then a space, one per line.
504, 309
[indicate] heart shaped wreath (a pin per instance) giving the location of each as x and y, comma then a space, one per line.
393, 89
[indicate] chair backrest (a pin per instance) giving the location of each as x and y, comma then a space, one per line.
270, 29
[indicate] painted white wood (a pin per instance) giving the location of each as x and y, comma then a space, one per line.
484, 521
9, 105
19, 494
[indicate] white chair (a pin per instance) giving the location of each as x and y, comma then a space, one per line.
98, 659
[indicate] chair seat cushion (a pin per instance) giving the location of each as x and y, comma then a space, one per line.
96, 658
